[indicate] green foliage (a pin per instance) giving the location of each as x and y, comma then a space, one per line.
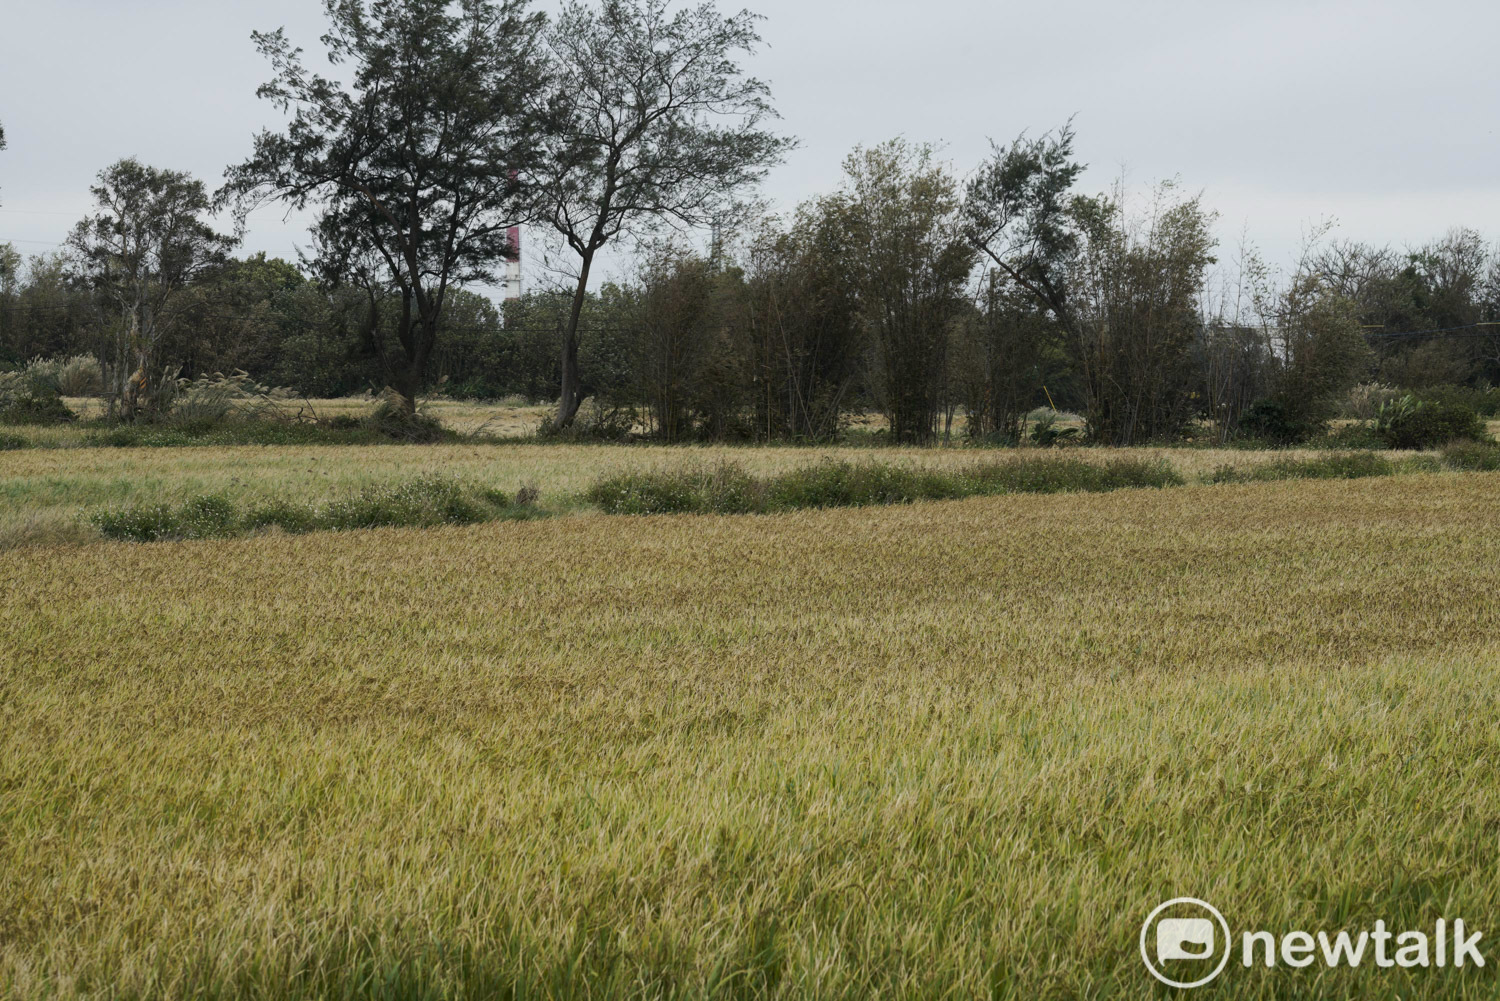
10, 441
142, 523
849, 484
595, 422
30, 397
1484, 401
140, 251
427, 501
728, 489
652, 119
282, 514
1410, 423
1360, 434
431, 118
234, 432
905, 242
1047, 475
1472, 456
30, 409
424, 502
206, 516
1273, 422
1363, 402
724, 488
1351, 466
1047, 431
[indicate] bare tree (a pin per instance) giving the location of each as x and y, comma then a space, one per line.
651, 120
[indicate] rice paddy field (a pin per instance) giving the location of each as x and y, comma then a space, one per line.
949, 749
47, 494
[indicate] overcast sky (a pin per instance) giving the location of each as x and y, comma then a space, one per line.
1381, 115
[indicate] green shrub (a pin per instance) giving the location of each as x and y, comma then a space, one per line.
1048, 431
9, 442
1051, 475
29, 398
289, 517
1472, 456
1484, 401
1351, 466
1360, 434
148, 523
847, 484
726, 488
204, 517
1272, 421
75, 376
1409, 423
729, 490
422, 502
207, 516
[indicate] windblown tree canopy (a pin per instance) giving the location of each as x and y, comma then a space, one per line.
653, 120
1018, 212
415, 164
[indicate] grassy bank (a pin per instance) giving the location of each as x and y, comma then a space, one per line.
945, 750
49, 495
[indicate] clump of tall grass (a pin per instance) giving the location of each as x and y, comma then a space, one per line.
728, 489
421, 503
78, 375
394, 419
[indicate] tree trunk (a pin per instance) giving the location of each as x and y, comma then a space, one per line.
408, 378
572, 383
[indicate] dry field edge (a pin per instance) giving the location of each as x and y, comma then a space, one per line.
946, 750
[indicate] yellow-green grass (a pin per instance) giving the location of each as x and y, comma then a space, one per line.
950, 749
47, 494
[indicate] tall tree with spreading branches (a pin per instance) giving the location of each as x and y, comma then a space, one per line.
652, 120
416, 163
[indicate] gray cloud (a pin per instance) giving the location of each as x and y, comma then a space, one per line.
1380, 114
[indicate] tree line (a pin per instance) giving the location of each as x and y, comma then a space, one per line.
945, 303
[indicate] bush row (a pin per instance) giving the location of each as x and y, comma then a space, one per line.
728, 489
1462, 456
423, 502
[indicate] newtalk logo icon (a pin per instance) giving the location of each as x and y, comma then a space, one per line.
1185, 942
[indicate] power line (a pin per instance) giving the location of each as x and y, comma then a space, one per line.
1437, 330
